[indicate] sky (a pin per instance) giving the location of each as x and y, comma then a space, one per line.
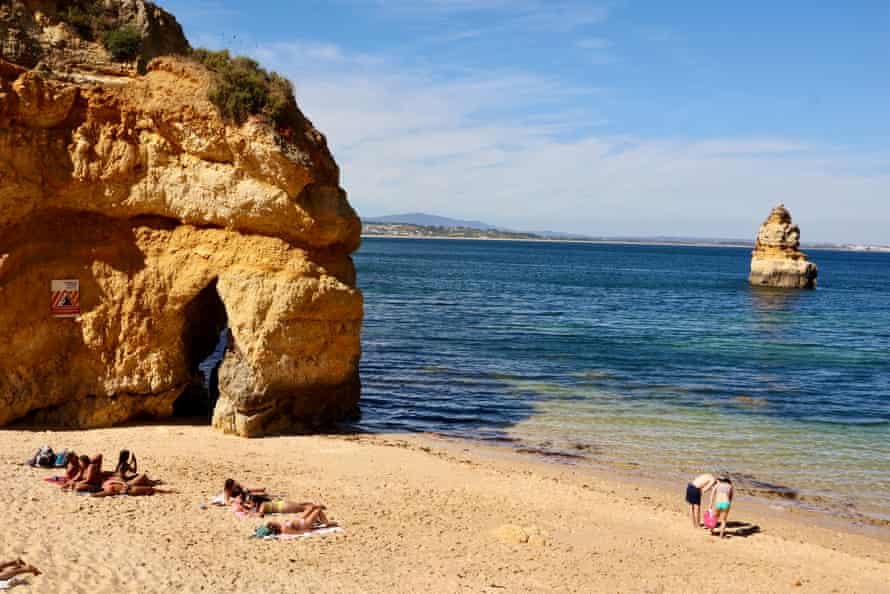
622, 118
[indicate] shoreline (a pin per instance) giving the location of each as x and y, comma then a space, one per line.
792, 511
864, 250
420, 513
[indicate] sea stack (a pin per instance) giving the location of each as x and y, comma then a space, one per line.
777, 261
139, 219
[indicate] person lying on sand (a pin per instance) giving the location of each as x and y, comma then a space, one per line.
256, 506
694, 490
258, 502
281, 506
116, 486
314, 517
721, 501
9, 569
234, 490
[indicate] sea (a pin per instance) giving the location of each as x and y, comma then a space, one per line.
655, 360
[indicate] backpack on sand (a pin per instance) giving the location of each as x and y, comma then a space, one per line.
44, 457
61, 460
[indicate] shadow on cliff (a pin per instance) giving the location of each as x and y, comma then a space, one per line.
58, 240
206, 338
99, 252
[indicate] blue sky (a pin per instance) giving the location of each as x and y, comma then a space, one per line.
619, 118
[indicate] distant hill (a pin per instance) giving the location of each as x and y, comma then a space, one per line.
428, 220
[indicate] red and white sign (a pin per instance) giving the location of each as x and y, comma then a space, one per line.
66, 298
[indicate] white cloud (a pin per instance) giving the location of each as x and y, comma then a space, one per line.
411, 140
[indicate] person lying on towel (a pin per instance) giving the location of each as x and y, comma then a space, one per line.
312, 518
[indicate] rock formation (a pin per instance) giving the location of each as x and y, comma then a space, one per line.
777, 261
177, 224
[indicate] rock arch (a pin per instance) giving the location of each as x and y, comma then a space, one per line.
205, 330
134, 185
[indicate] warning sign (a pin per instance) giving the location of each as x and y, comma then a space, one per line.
65, 298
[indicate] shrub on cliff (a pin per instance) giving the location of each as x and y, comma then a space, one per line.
123, 44
242, 88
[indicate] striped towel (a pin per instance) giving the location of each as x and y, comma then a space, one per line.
317, 531
12, 582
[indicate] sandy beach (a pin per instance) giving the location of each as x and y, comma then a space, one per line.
421, 514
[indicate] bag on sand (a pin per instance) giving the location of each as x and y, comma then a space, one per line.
710, 519
44, 457
61, 459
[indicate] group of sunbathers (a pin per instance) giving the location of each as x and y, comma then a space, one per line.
257, 502
84, 474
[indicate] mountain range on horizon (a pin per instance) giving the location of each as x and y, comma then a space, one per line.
431, 220
428, 220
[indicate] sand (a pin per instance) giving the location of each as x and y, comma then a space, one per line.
421, 514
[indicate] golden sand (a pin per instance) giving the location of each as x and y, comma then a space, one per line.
421, 514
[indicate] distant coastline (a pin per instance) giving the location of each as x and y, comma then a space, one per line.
408, 231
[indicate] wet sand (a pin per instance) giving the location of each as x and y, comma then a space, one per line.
421, 514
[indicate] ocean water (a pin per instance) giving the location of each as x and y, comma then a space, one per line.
653, 358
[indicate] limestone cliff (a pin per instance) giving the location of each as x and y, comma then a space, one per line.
177, 223
62, 36
777, 260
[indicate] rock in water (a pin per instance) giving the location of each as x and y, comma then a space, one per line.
777, 261
177, 223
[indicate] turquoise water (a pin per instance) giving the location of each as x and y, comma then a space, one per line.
657, 358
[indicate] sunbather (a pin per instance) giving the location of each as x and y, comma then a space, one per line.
72, 466
282, 506
116, 486
312, 518
9, 569
126, 470
89, 478
257, 502
234, 490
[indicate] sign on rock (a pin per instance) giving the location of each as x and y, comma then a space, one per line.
65, 298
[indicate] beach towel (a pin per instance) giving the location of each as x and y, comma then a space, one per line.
12, 582
316, 532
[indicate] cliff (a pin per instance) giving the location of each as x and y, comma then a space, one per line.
177, 222
777, 260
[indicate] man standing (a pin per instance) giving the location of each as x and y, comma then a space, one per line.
694, 490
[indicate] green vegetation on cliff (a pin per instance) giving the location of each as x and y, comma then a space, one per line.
242, 88
123, 44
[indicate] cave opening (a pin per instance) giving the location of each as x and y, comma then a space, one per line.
205, 338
